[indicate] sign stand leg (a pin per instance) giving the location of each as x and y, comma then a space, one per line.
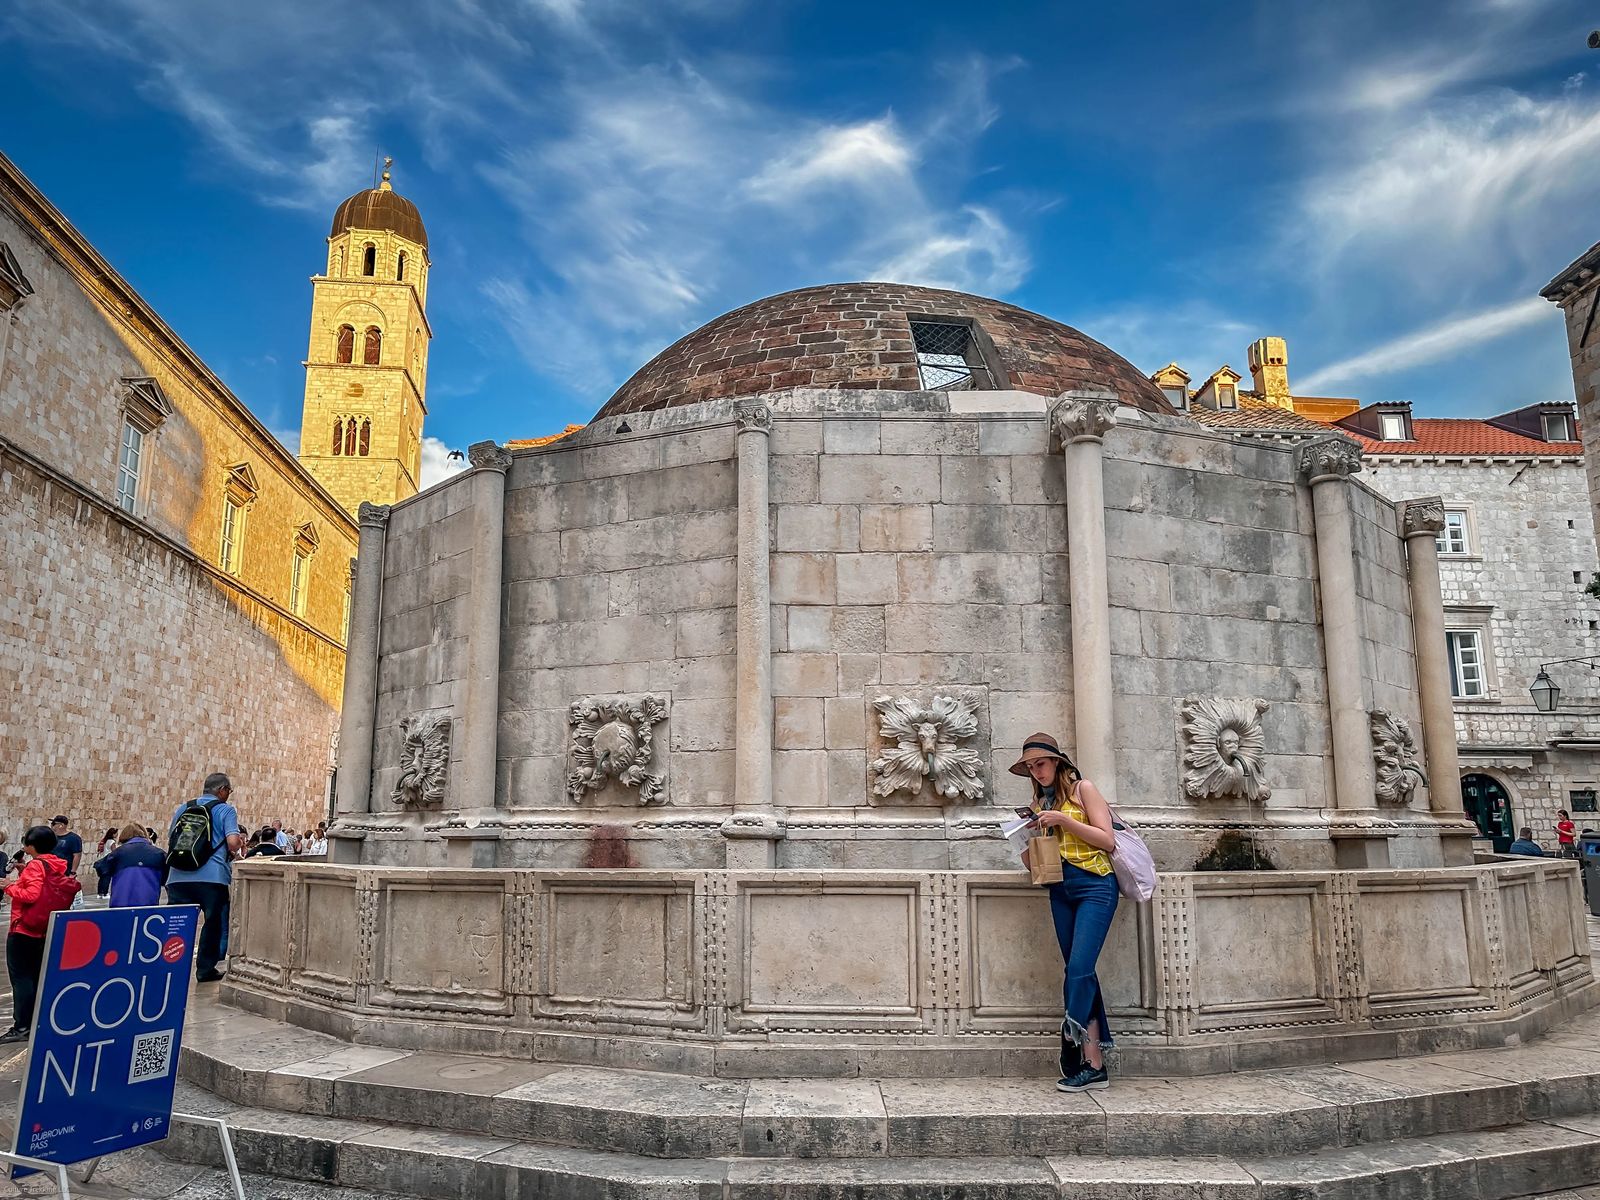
59, 1170
221, 1127
94, 1165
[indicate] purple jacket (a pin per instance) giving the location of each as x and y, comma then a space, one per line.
136, 869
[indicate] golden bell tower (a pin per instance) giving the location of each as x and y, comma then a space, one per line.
367, 364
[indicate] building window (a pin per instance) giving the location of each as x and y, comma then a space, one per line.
1227, 396
369, 259
400, 266
338, 435
1581, 800
948, 357
1466, 664
1177, 396
1557, 427
128, 466
232, 534
1452, 539
372, 346
1393, 427
299, 573
347, 344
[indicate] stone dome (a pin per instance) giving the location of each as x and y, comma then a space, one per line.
859, 336
381, 208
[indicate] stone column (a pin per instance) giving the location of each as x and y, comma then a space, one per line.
1421, 521
753, 830
1327, 463
359, 709
1081, 420
474, 787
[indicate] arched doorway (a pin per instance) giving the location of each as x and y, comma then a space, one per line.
1489, 805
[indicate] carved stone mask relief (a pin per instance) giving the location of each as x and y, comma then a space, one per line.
1224, 749
1394, 755
613, 739
928, 743
424, 761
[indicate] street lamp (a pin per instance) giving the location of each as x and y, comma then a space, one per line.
1545, 692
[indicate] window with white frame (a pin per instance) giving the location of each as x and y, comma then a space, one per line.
238, 494
1467, 679
128, 463
1227, 396
1453, 538
305, 545
1393, 427
1557, 427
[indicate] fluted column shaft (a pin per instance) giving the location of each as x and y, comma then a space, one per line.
359, 709
475, 786
1081, 420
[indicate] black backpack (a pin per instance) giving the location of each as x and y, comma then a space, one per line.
190, 846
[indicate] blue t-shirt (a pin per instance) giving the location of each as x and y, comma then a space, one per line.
67, 845
217, 868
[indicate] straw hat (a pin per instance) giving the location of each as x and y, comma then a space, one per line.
1038, 745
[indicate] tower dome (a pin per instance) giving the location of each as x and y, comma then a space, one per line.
381, 208
883, 336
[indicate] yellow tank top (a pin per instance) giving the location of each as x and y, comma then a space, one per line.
1074, 849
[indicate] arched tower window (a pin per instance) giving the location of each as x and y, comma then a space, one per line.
400, 266
338, 434
366, 438
347, 344
350, 437
369, 260
373, 349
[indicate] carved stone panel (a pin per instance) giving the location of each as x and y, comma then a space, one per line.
928, 748
614, 743
1224, 749
1394, 754
424, 761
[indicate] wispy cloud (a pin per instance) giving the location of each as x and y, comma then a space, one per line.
437, 465
1431, 344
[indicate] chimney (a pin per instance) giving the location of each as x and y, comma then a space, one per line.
1269, 367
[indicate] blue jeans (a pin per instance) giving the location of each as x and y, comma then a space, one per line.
1082, 906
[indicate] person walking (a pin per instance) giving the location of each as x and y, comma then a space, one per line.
202, 838
1081, 905
1566, 834
42, 888
133, 871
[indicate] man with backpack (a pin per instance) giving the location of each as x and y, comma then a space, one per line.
42, 888
201, 842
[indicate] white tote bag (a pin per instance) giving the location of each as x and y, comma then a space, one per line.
1131, 861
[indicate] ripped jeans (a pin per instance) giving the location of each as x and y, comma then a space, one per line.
1082, 906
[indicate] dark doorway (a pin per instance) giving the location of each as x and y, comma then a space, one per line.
1489, 807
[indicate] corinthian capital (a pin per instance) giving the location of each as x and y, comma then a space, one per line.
372, 516
754, 416
1083, 416
1332, 457
489, 456
1424, 516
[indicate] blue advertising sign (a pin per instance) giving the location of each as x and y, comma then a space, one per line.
103, 1054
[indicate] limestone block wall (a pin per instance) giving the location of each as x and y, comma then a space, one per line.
133, 668
905, 973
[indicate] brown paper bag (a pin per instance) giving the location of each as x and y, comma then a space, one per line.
1044, 859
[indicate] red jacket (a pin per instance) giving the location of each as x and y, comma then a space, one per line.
42, 888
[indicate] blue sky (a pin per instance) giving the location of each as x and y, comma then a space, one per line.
1386, 185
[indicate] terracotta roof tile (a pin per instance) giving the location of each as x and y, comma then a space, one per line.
1459, 435
535, 443
1261, 418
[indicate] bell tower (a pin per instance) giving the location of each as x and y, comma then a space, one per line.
367, 362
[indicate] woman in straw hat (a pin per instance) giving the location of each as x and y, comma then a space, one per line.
1081, 905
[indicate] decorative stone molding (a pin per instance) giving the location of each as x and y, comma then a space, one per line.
424, 761
612, 738
1424, 516
1080, 417
1335, 456
925, 747
144, 403
1394, 754
489, 456
754, 416
1224, 748
372, 516
15, 287
746, 826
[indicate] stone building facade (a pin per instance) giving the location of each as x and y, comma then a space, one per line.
176, 586
1515, 556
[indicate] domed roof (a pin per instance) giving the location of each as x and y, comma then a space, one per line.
381, 208
859, 336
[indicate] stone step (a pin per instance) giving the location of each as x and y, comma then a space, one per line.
1521, 1160
257, 1063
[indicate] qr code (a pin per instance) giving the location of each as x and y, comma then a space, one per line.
152, 1056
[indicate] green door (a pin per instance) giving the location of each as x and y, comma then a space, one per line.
1489, 807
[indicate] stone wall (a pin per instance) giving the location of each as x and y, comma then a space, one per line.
134, 669
906, 973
